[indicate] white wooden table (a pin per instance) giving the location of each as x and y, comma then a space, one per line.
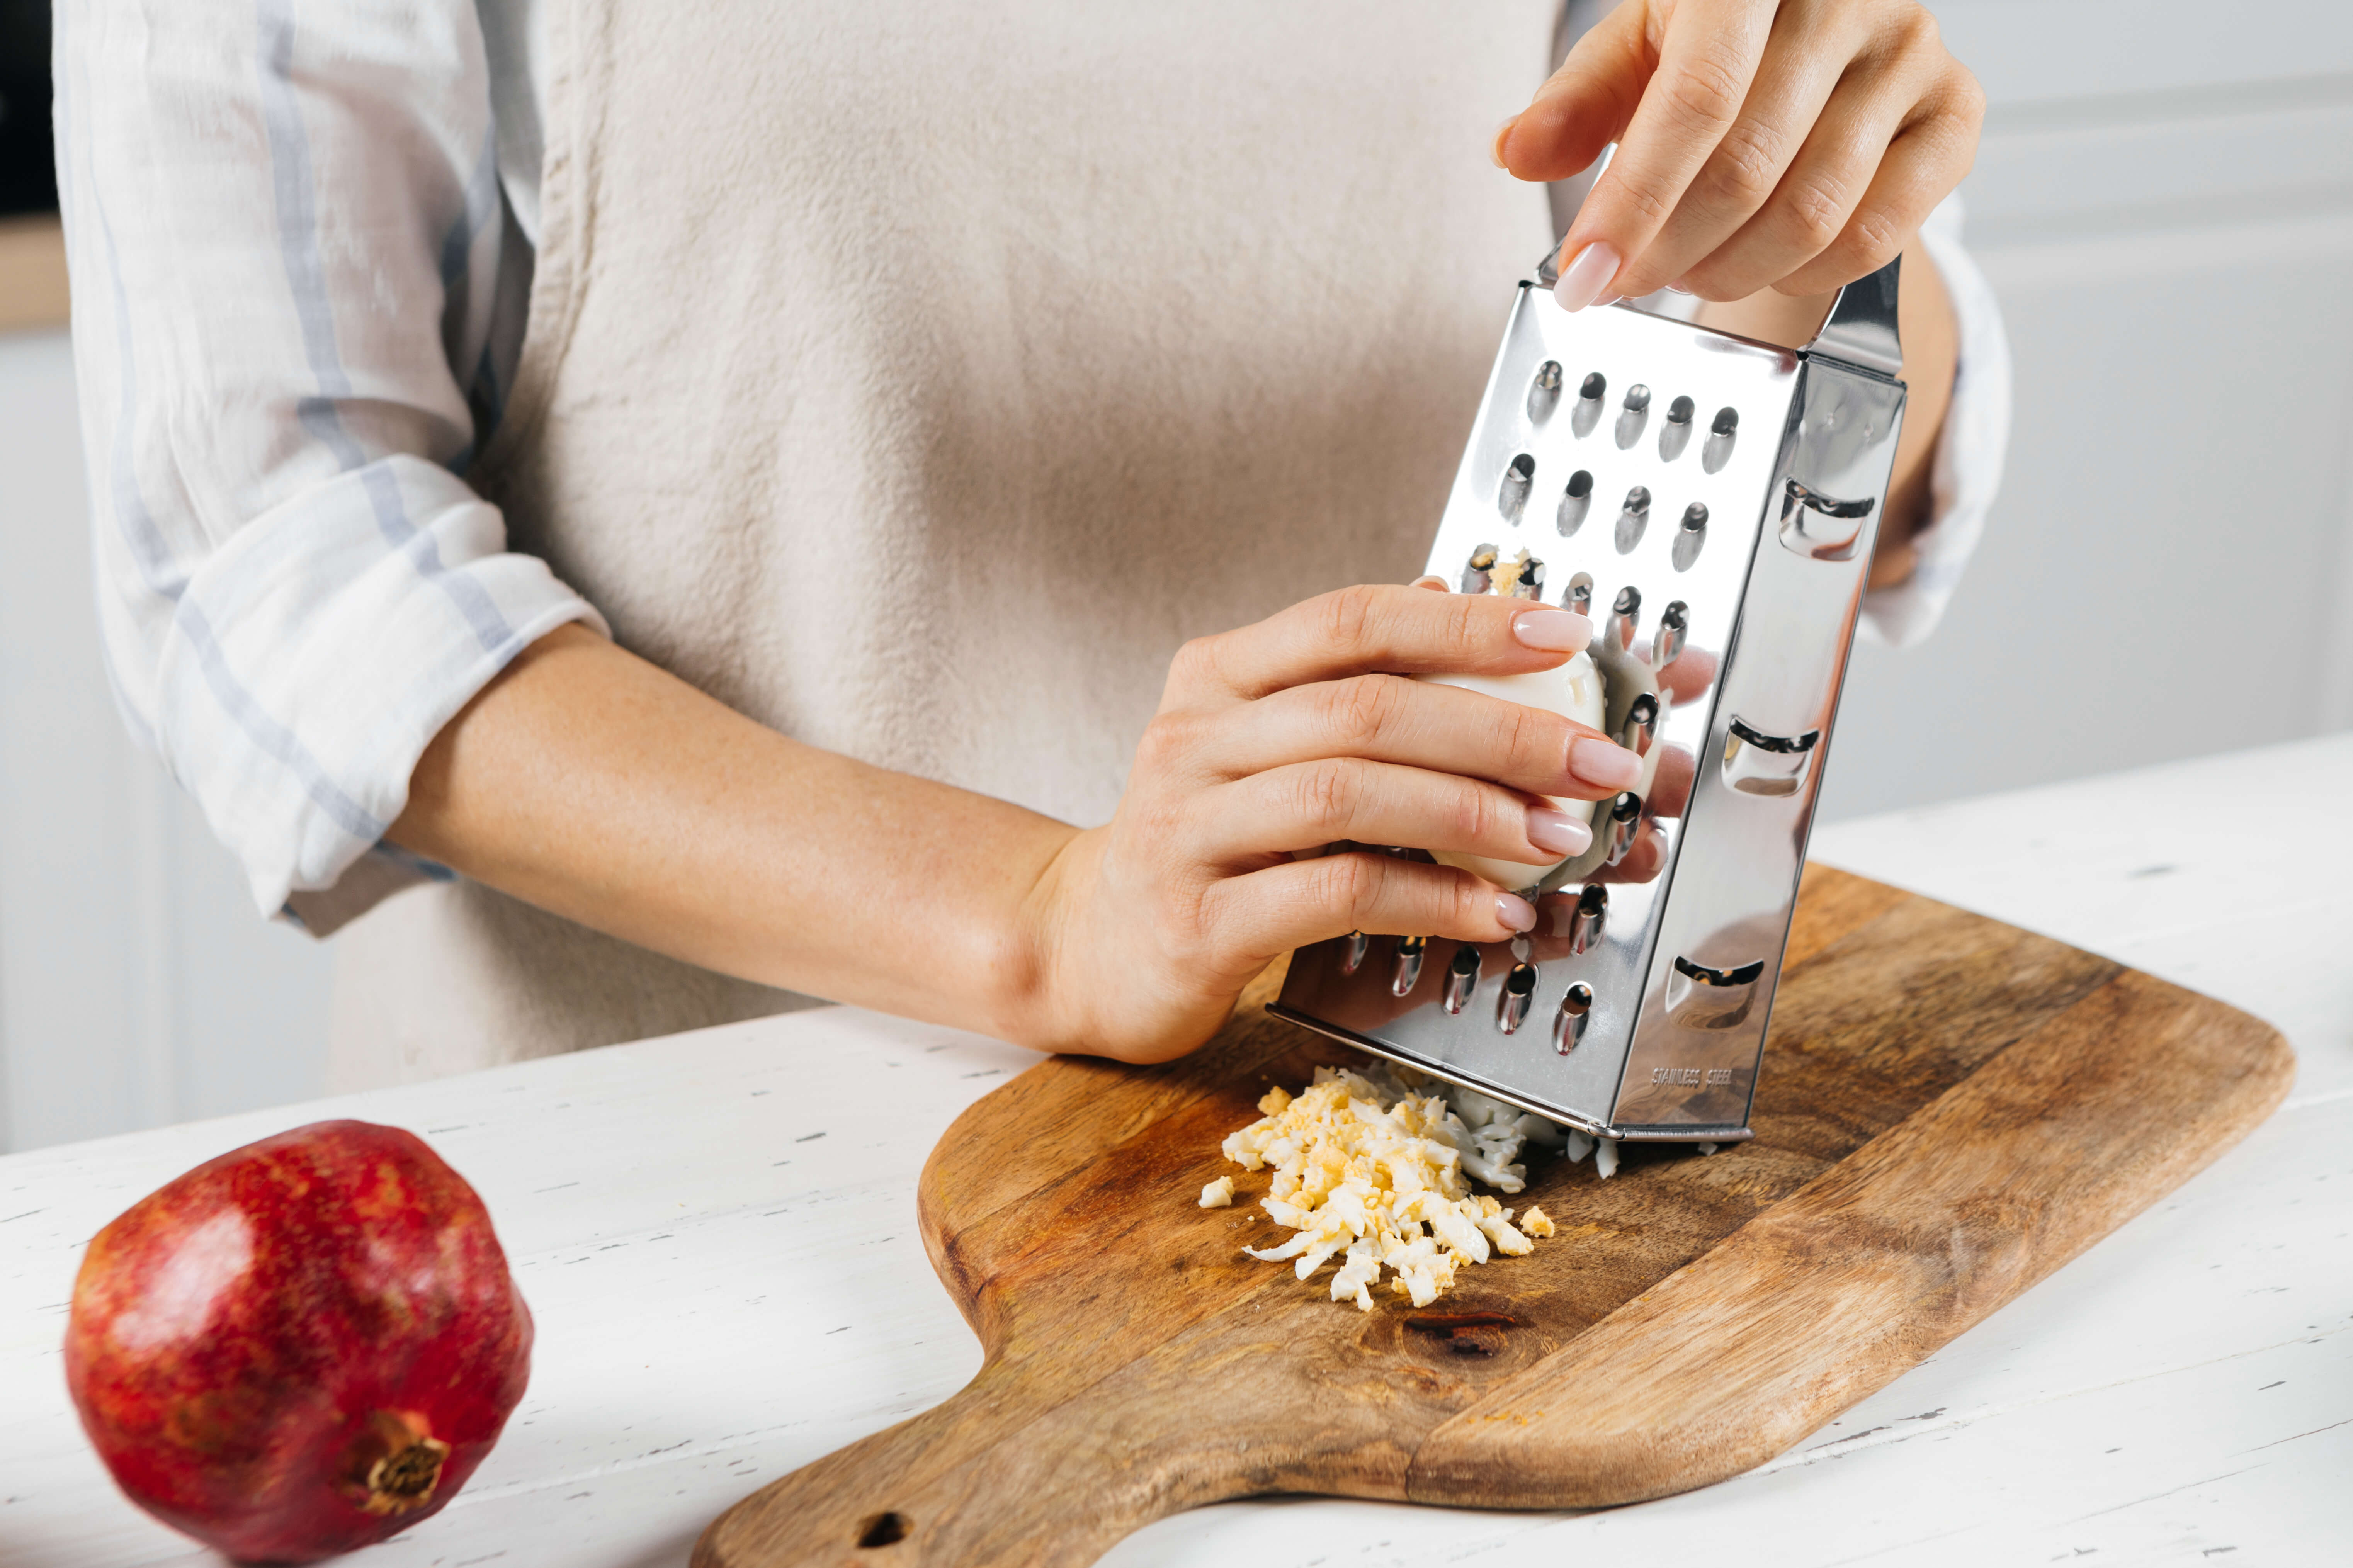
716, 1233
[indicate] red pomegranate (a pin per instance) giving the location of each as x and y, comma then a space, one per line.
301, 1347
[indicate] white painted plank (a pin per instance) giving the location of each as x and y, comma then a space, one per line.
716, 1236
723, 1294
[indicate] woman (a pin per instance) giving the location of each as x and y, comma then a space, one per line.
729, 483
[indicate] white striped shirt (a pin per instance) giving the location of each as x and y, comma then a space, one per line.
301, 249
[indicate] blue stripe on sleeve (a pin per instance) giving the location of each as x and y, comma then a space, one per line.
298, 240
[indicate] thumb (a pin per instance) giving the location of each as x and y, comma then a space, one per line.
1587, 105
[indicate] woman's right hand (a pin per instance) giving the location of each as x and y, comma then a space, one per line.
1273, 741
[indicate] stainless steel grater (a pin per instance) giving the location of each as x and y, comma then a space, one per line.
1689, 490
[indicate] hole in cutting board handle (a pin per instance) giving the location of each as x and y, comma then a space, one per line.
883, 1529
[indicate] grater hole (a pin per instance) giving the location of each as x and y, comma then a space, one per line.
1512, 494
1674, 625
1676, 433
1579, 596
1722, 433
1632, 519
1478, 573
1544, 391
1589, 405
1625, 616
1575, 502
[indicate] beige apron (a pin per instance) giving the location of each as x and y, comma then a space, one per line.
916, 378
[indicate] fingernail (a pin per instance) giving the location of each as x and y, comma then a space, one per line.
1556, 832
1436, 584
1555, 631
1582, 280
1604, 763
1516, 913
1495, 142
1677, 286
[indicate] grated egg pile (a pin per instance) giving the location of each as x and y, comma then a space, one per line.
1375, 1167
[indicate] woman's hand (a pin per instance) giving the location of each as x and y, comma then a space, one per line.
1275, 741
1794, 145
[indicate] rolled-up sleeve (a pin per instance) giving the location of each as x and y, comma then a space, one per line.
1965, 471
290, 252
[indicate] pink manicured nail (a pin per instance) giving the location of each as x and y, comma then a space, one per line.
1558, 833
1677, 287
1583, 280
1495, 142
1435, 583
1555, 631
1604, 764
1516, 913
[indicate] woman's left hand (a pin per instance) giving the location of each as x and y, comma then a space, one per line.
1787, 144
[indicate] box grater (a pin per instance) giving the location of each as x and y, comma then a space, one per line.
1690, 490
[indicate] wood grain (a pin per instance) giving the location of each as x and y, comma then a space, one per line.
1951, 1109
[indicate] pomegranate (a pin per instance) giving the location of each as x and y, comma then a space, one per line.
301, 1347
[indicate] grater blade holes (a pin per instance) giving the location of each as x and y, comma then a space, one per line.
1636, 414
1632, 519
1512, 1002
1462, 978
1676, 434
1544, 391
1575, 502
1690, 535
1579, 596
1674, 625
1530, 581
1722, 433
1575, 1012
1511, 493
1589, 405
1625, 616
1479, 571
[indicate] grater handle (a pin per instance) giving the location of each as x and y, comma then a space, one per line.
1861, 328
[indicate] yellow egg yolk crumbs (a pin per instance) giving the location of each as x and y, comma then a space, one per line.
1377, 1180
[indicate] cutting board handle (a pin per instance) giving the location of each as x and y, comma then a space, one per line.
1007, 1472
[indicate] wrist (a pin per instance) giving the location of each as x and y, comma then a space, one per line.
1027, 1002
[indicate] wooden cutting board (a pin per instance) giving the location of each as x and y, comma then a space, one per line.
1950, 1109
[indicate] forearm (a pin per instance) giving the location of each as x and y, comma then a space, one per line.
592, 784
1931, 354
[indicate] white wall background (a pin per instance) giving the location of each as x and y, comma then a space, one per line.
2164, 200
137, 984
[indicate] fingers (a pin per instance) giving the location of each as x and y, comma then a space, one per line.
1642, 861
1919, 169
1706, 62
1309, 805
1796, 145
1804, 58
1302, 901
1849, 145
1370, 630
1689, 676
1585, 104
1419, 724
1671, 787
